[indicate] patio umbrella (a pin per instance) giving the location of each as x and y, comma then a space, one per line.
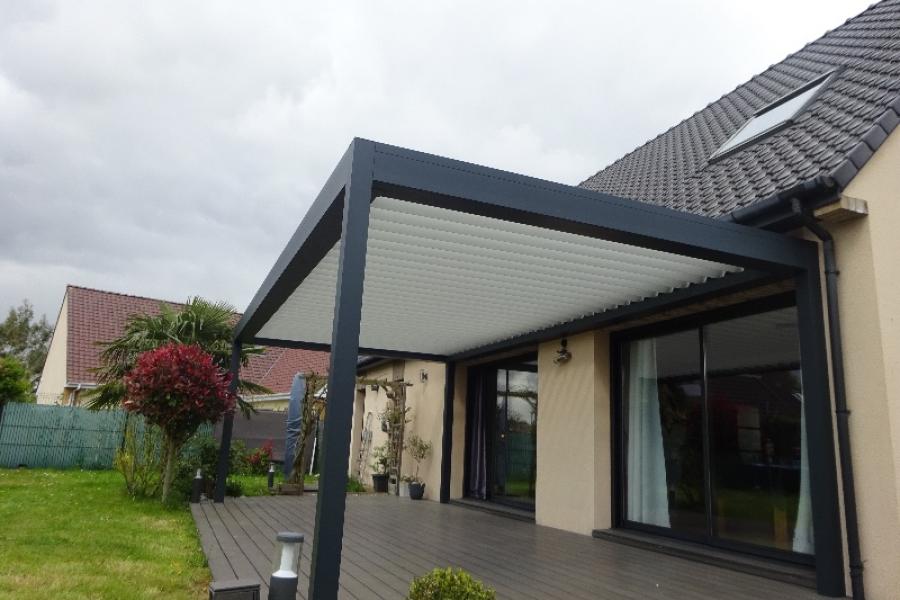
294, 416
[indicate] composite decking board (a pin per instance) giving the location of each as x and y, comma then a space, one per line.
236, 557
388, 541
386, 584
215, 556
303, 521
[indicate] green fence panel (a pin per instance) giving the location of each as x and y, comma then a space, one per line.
39, 435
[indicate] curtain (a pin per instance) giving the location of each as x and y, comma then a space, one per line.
476, 486
648, 500
803, 528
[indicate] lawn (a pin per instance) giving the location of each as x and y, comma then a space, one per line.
74, 534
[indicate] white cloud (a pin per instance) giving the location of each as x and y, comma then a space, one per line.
171, 148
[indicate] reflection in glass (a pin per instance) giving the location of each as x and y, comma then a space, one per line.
515, 436
754, 487
756, 416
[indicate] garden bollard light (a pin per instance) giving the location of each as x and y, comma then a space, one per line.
286, 566
197, 487
271, 476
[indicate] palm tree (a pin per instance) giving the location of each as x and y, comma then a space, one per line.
207, 324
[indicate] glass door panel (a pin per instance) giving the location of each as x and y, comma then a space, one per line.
515, 437
665, 467
759, 476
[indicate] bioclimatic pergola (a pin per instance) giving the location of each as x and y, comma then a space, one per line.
406, 254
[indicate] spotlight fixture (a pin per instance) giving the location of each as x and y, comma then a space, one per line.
562, 355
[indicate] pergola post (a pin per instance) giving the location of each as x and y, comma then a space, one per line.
329, 528
227, 426
819, 434
447, 439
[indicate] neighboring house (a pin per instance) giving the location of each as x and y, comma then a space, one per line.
646, 357
89, 317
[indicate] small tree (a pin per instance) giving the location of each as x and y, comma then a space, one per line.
15, 385
418, 450
177, 387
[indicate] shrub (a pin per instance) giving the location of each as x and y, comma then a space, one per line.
258, 460
355, 486
138, 460
447, 584
177, 387
15, 385
202, 452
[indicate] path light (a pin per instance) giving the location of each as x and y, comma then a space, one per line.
271, 481
286, 566
197, 487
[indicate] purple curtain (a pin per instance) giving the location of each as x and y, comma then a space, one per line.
476, 486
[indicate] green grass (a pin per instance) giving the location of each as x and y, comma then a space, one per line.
72, 535
258, 485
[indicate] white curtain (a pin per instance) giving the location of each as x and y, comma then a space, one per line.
803, 528
648, 500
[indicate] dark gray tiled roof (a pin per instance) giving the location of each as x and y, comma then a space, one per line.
833, 137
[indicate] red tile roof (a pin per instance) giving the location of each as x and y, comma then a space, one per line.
99, 316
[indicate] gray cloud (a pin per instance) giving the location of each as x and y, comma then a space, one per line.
170, 149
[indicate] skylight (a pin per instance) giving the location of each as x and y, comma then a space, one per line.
773, 117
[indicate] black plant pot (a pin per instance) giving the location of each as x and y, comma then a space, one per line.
380, 482
416, 490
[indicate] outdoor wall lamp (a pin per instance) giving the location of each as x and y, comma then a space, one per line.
286, 566
423, 375
562, 355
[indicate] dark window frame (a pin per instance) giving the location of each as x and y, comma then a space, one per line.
618, 366
475, 375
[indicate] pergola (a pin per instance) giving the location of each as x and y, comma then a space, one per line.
410, 255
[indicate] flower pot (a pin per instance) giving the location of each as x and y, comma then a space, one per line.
404, 489
380, 482
416, 490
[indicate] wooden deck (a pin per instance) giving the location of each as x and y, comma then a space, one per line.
388, 541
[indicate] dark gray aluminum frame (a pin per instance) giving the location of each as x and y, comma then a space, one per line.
340, 214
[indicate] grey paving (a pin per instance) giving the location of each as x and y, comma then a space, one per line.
388, 541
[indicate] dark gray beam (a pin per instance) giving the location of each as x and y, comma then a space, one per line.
819, 434
456, 185
733, 282
318, 232
328, 536
379, 352
447, 435
227, 427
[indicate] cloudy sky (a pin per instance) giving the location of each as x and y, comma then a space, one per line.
169, 149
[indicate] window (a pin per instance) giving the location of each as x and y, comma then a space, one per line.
714, 447
773, 117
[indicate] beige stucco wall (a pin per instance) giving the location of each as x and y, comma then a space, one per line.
868, 255
572, 487
53, 376
426, 399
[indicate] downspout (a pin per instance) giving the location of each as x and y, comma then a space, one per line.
781, 211
840, 398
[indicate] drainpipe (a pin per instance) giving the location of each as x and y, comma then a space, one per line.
840, 398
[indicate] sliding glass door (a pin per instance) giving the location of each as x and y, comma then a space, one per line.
501, 432
713, 437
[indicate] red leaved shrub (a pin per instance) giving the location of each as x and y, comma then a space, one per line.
177, 387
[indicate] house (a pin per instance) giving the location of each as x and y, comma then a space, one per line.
694, 350
89, 317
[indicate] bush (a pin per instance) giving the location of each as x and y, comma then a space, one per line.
355, 486
447, 584
139, 459
202, 452
257, 462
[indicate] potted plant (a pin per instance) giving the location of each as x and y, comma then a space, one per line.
380, 461
418, 450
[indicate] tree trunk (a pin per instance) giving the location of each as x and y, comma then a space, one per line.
169, 468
